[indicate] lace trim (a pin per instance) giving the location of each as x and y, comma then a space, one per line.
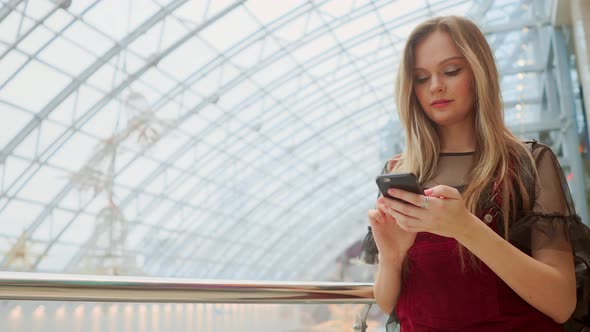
550, 225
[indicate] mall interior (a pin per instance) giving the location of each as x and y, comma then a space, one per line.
207, 165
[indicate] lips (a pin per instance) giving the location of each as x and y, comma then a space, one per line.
440, 103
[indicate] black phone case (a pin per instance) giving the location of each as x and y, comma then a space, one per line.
403, 181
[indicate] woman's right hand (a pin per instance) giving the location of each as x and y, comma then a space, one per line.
392, 241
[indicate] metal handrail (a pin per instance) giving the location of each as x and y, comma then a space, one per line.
71, 287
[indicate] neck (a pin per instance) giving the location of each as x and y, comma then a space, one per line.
458, 137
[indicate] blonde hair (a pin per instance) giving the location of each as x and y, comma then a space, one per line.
496, 146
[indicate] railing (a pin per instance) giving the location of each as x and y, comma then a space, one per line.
69, 287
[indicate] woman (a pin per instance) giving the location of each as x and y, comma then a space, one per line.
490, 245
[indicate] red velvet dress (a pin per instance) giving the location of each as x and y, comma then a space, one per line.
437, 296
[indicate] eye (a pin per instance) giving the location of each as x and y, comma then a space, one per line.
453, 72
421, 79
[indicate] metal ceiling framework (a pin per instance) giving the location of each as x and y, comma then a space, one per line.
272, 139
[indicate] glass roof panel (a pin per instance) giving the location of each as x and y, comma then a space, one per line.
135, 173
296, 27
56, 222
104, 78
334, 8
57, 257
42, 80
357, 26
69, 155
36, 12
75, 200
10, 64
159, 81
79, 7
184, 60
90, 37
133, 62
116, 23
12, 168
49, 132
11, 122
52, 180
80, 230
222, 34
104, 123
134, 239
397, 9
269, 11
186, 12
17, 215
208, 85
94, 205
313, 47
36, 40
216, 7
13, 24
58, 20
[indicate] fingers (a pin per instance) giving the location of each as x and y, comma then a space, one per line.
444, 191
391, 205
376, 216
407, 212
386, 210
407, 196
409, 224
406, 222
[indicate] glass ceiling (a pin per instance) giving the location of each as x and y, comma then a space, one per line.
212, 139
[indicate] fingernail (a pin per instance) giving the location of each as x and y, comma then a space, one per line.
381, 199
391, 191
428, 192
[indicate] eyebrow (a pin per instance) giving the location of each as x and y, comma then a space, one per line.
446, 60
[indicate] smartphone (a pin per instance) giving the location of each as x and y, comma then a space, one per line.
403, 181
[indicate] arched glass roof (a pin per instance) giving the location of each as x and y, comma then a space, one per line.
212, 139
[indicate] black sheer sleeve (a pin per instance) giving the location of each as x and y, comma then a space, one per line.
553, 224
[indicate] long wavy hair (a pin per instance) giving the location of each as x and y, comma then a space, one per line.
496, 146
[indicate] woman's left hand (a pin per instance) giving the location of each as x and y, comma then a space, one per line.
444, 215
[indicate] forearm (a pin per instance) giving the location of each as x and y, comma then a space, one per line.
388, 283
539, 284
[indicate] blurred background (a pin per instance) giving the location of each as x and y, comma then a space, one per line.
235, 140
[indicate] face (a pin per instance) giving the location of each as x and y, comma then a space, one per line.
443, 81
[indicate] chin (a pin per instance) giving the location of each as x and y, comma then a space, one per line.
441, 120
443, 123
449, 121
444, 119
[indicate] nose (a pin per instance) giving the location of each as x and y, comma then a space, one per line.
436, 84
